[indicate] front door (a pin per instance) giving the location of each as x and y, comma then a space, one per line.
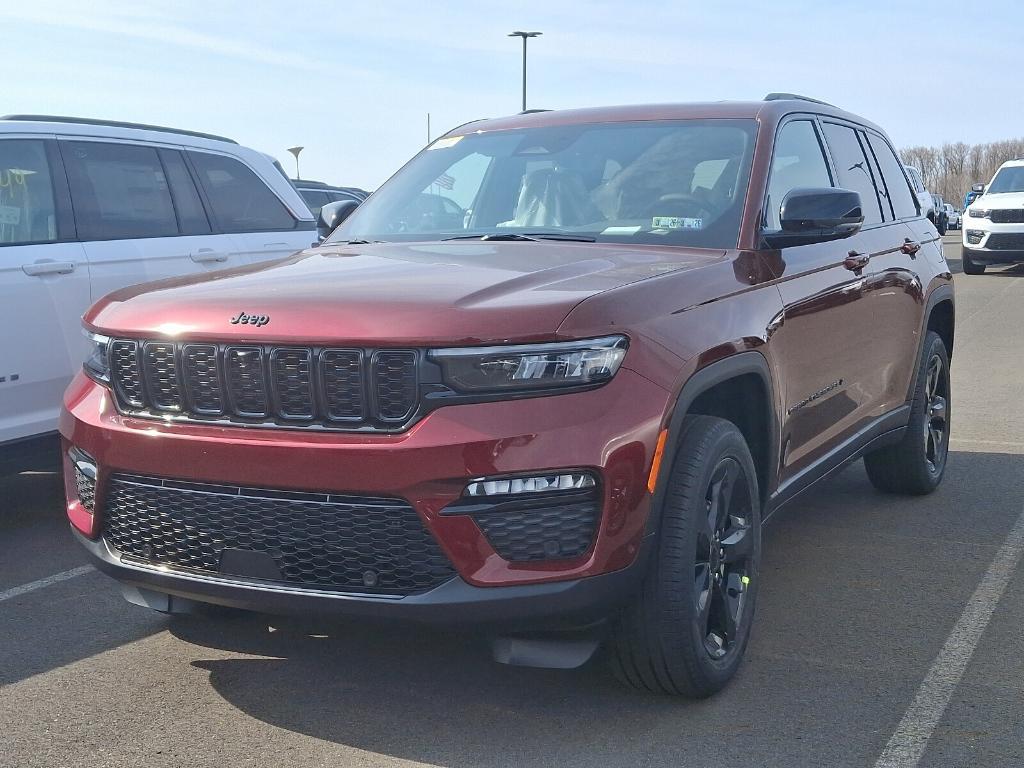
44, 290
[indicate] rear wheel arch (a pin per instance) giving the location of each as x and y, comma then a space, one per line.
738, 389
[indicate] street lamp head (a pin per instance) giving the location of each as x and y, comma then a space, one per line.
525, 35
295, 151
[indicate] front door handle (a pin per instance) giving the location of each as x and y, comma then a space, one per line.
910, 247
207, 255
855, 262
48, 268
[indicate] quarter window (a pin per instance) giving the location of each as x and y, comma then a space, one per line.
118, 191
27, 213
904, 204
241, 202
797, 162
853, 169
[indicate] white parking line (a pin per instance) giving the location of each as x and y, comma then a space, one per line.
34, 585
907, 745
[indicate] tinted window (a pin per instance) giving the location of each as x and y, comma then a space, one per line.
27, 213
670, 182
1009, 179
315, 199
904, 204
853, 169
191, 215
241, 202
119, 191
797, 161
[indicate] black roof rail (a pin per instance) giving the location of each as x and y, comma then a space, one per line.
310, 183
533, 111
796, 97
114, 124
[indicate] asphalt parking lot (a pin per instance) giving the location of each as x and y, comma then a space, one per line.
869, 608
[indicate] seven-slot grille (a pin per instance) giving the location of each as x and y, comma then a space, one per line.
1007, 215
307, 540
288, 386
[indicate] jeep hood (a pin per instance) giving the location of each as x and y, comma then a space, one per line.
391, 293
1000, 200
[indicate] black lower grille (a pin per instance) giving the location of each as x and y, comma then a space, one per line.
1006, 241
318, 541
526, 528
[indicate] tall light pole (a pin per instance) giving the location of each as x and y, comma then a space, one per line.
525, 36
295, 151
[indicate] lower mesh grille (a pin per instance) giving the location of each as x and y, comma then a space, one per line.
1006, 241
527, 528
86, 487
317, 541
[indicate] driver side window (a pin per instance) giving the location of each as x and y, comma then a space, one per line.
798, 161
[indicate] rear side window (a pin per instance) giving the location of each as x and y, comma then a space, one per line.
191, 216
797, 162
904, 204
27, 212
853, 169
118, 191
241, 202
315, 199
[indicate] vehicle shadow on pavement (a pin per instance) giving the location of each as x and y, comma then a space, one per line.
844, 566
64, 622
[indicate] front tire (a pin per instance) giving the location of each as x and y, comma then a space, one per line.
686, 632
916, 464
970, 266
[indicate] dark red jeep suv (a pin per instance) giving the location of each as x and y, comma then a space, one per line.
549, 380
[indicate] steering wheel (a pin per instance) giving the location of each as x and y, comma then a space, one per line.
687, 205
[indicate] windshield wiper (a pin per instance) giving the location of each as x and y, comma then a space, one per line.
512, 236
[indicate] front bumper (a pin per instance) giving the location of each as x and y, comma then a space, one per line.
610, 431
558, 605
985, 256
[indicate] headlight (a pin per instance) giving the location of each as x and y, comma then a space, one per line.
524, 367
97, 363
980, 213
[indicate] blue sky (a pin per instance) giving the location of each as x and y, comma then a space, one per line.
353, 82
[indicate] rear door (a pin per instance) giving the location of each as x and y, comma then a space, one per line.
244, 206
900, 295
44, 287
138, 214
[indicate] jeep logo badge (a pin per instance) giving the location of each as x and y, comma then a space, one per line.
243, 319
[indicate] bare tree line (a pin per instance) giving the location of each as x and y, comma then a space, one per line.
951, 169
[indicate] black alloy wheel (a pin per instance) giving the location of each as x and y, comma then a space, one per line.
722, 564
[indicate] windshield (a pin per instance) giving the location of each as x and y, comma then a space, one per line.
679, 182
1009, 179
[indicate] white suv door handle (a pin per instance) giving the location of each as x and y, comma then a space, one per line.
48, 268
205, 255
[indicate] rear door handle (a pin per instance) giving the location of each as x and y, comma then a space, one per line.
207, 255
855, 262
274, 245
48, 268
910, 247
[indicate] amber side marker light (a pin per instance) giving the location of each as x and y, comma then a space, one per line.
659, 450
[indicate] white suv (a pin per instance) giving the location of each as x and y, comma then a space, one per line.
88, 207
993, 225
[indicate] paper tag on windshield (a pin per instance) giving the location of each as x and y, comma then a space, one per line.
676, 222
450, 141
9, 214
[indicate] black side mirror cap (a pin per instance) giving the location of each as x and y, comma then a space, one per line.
332, 215
817, 215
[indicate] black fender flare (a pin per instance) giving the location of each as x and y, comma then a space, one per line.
741, 364
940, 294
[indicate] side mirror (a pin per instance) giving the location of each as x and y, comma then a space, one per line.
332, 215
817, 216
978, 188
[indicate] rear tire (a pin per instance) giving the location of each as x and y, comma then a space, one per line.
687, 630
915, 465
970, 266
